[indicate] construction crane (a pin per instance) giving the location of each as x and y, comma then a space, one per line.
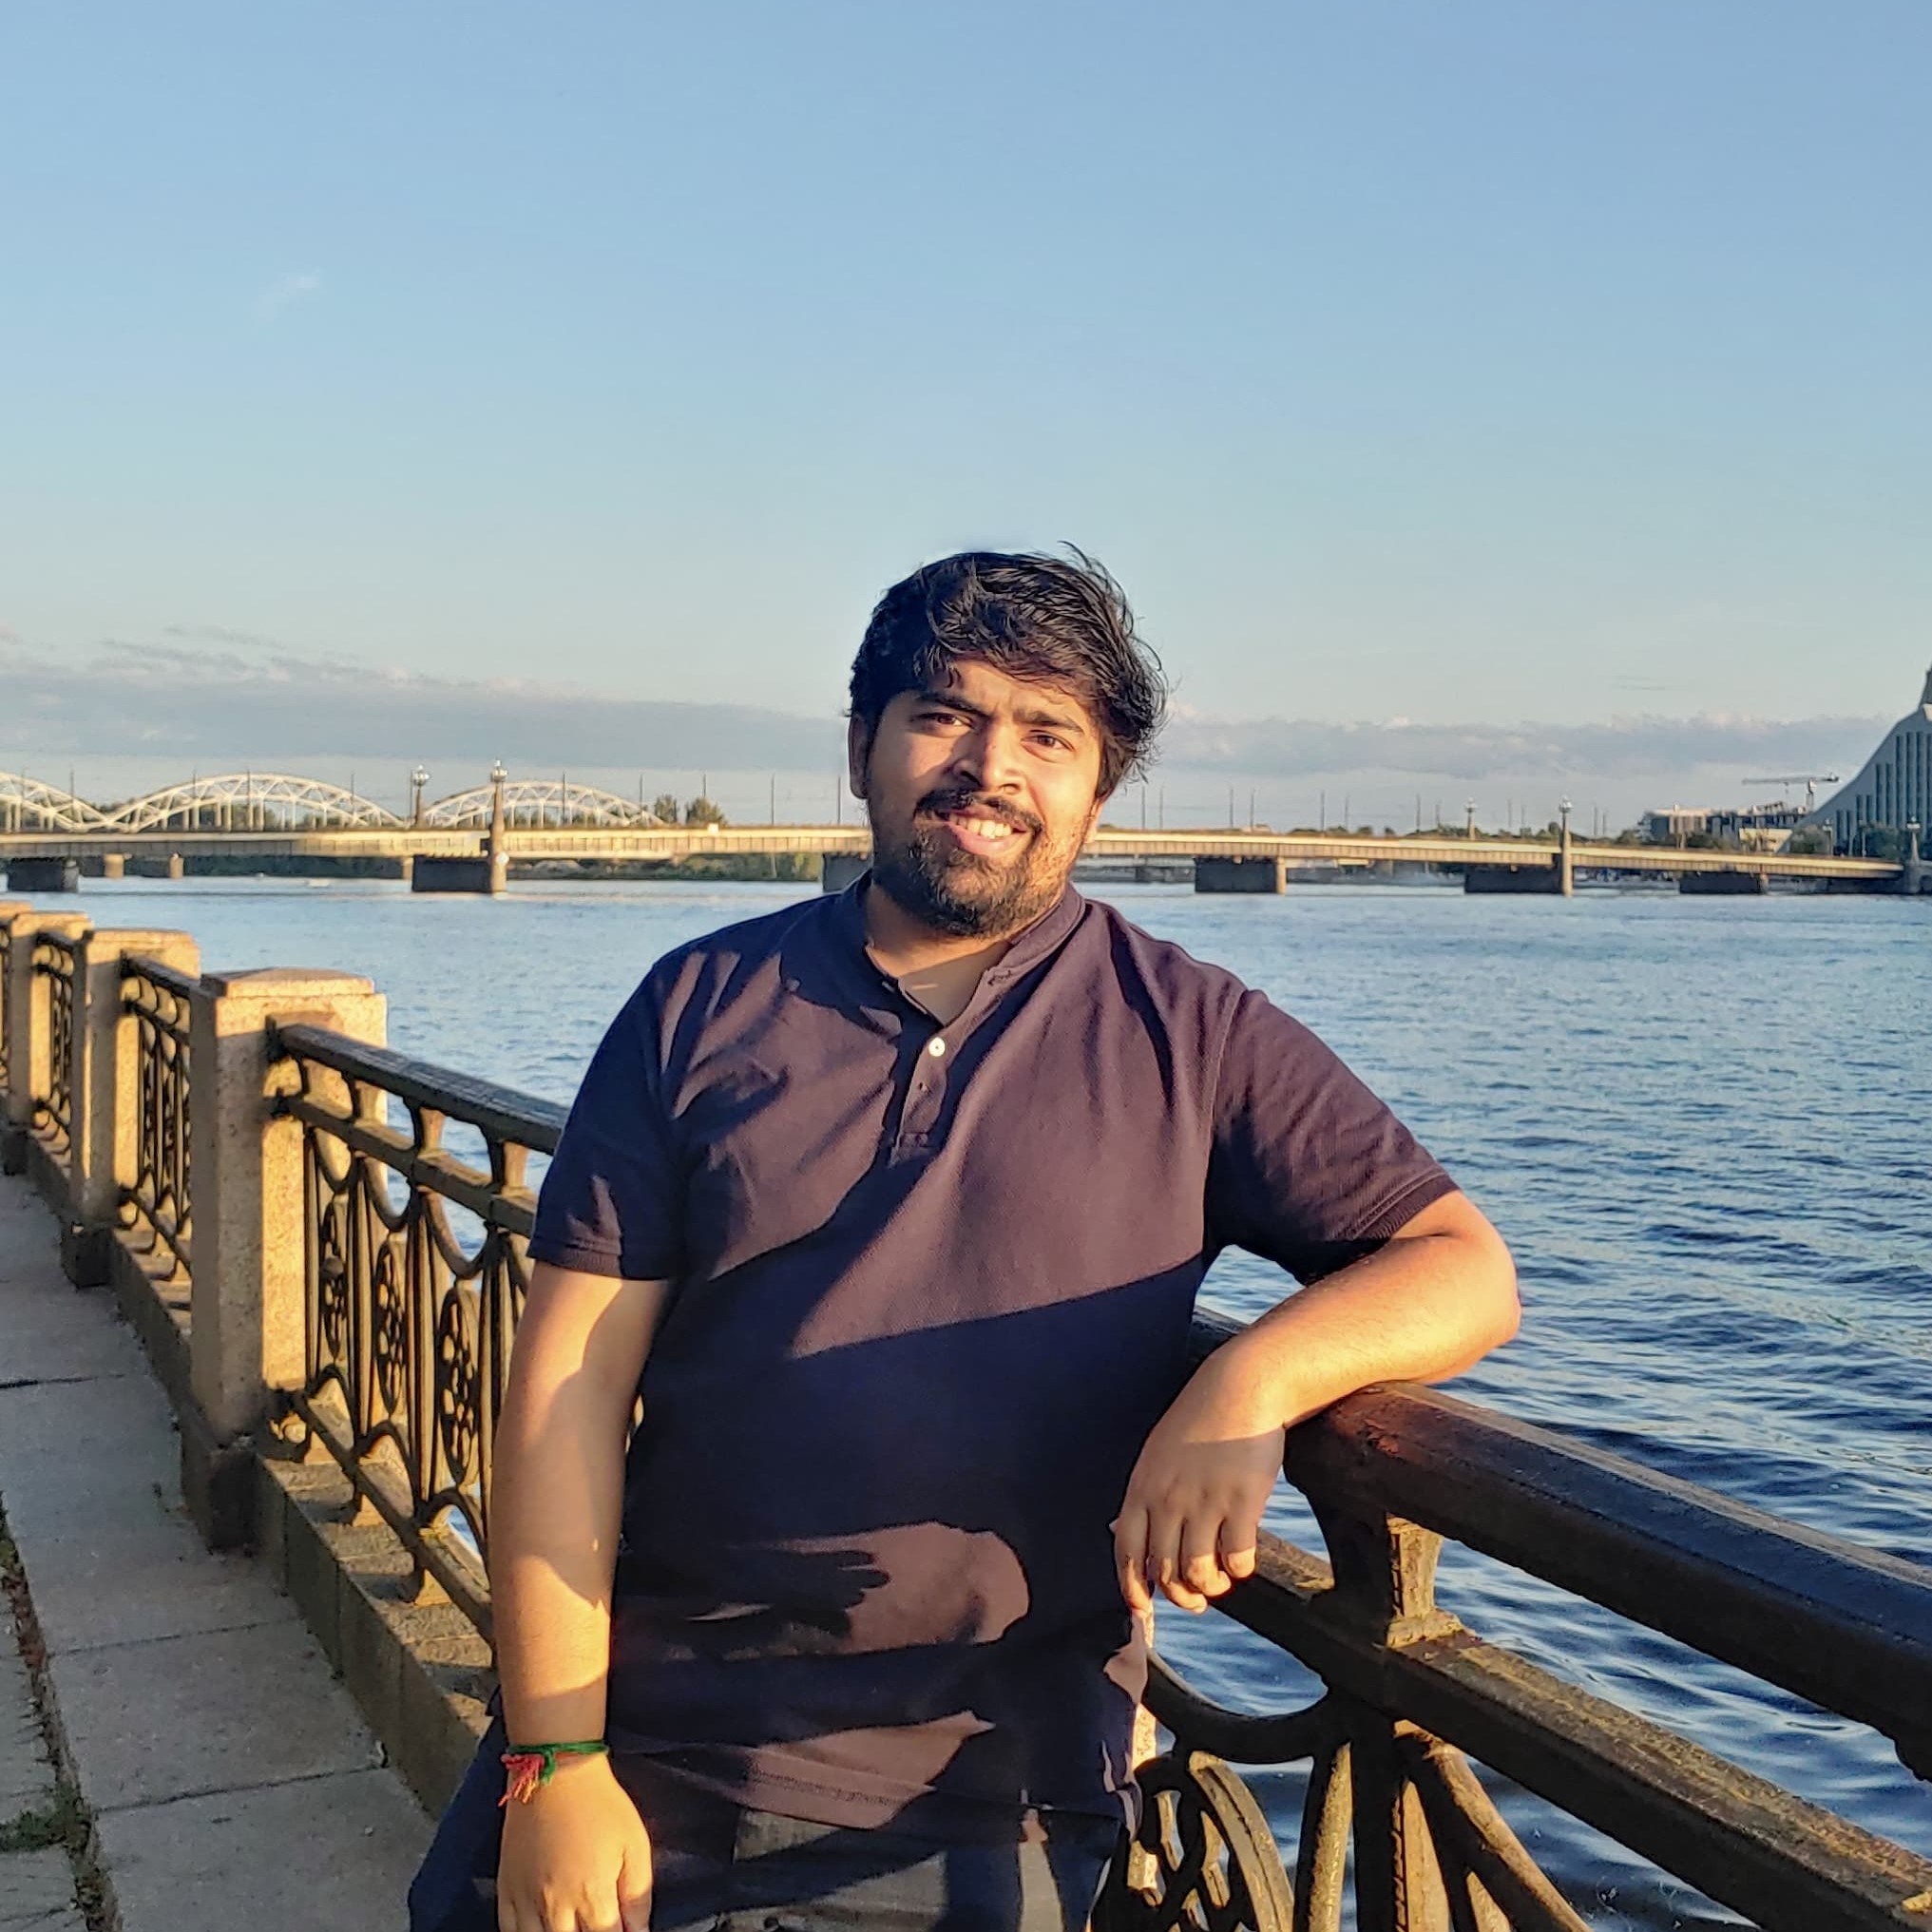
1810, 781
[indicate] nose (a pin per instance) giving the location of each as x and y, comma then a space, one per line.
990, 757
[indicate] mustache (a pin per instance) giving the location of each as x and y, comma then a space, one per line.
939, 804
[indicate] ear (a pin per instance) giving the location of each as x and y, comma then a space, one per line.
858, 749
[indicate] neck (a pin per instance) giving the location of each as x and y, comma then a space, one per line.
903, 944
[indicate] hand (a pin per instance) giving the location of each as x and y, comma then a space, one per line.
576, 1858
1193, 1510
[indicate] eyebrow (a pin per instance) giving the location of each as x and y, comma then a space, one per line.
951, 700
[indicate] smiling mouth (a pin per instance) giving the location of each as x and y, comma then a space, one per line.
980, 832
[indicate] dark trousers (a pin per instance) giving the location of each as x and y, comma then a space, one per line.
721, 1868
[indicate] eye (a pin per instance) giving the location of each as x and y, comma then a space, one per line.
1052, 741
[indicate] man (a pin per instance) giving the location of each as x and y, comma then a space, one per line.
892, 1206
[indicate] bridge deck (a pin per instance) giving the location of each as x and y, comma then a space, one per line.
605, 842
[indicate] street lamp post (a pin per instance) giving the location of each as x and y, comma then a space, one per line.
418, 778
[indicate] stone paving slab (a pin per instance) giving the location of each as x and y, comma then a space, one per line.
319, 1856
37, 1893
147, 1722
231, 1781
81, 1604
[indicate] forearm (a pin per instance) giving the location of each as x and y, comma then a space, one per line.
556, 1508
558, 1496
1425, 1306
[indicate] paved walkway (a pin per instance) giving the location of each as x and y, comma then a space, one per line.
228, 1781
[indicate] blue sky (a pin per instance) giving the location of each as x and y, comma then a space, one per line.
1474, 366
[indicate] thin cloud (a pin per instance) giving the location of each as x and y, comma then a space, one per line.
220, 634
283, 294
239, 698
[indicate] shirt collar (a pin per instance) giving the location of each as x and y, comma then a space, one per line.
1037, 942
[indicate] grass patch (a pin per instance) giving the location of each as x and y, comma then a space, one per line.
61, 1826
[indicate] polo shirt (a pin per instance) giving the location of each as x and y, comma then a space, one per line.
932, 1291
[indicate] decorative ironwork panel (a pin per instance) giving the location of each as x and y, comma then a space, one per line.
416, 1271
5, 996
1201, 1858
157, 1207
54, 1111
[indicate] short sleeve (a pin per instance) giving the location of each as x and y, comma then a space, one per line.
613, 1201
1309, 1169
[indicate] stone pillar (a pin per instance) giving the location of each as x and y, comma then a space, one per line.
1532, 877
1566, 864
42, 876
246, 1338
27, 1011
839, 869
481, 875
106, 1079
114, 865
176, 866
1240, 875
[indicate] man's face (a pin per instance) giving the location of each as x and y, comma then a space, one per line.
980, 795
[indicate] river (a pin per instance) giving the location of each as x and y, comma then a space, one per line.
1702, 1126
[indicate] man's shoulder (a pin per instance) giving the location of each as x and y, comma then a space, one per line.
739, 955
1163, 970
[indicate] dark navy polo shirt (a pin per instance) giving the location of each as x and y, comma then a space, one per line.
932, 1291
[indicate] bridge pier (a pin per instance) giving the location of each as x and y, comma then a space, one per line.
1722, 885
42, 876
839, 869
1240, 875
486, 873
1549, 878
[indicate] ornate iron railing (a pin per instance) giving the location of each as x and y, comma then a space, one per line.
417, 1271
416, 1275
1389, 1473
157, 1205
6, 995
54, 962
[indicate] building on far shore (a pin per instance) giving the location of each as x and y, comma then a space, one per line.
1892, 792
1668, 824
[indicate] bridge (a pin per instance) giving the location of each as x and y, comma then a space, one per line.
469, 841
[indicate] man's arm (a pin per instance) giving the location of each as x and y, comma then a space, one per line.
577, 1853
1430, 1302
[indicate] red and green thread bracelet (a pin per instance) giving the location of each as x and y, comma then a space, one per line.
532, 1766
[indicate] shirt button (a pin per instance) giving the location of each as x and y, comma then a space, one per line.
936, 1047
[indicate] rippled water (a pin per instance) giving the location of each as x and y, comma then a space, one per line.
1701, 1123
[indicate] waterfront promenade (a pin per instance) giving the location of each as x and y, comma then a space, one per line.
325, 1296
175, 1750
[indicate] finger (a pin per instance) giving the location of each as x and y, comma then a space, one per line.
1130, 1558
1200, 1562
1163, 1562
1237, 1548
634, 1885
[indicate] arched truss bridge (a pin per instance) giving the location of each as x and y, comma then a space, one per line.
539, 801
272, 801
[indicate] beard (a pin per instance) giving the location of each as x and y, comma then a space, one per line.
960, 893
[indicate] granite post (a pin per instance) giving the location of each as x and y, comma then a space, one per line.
246, 1337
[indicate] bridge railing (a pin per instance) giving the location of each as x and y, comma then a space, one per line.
350, 1241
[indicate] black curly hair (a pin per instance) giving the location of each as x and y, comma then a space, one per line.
1048, 620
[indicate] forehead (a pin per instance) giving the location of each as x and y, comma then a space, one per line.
988, 688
